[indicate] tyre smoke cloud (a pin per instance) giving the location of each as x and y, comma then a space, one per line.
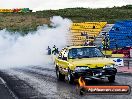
17, 50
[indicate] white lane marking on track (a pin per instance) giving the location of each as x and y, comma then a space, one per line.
2, 81
11, 93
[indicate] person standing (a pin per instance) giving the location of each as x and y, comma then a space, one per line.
57, 51
91, 43
54, 50
86, 43
49, 50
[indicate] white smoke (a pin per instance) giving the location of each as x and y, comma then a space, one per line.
17, 50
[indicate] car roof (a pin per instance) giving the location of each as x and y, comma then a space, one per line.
70, 47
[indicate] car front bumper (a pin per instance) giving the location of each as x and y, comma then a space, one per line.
95, 73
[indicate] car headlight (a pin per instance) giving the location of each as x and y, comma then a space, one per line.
108, 66
79, 68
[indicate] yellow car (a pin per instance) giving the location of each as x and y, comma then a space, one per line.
84, 61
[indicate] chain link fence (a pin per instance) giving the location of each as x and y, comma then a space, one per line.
128, 62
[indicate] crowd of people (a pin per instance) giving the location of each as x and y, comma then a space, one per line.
53, 51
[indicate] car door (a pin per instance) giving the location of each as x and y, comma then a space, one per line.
63, 63
59, 58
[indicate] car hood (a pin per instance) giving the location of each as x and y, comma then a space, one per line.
91, 62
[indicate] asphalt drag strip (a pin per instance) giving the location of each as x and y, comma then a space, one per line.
5, 92
40, 82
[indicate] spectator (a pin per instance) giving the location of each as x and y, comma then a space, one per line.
86, 43
91, 43
57, 51
87, 37
54, 50
49, 50
93, 27
81, 34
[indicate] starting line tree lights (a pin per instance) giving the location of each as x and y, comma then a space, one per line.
16, 10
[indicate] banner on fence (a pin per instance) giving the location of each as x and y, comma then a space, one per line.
118, 61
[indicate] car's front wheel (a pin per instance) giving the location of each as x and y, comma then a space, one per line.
111, 79
59, 75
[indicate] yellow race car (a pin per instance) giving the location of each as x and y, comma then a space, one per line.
84, 61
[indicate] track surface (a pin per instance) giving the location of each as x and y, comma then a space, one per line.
39, 82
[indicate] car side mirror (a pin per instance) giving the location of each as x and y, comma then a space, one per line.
59, 56
64, 58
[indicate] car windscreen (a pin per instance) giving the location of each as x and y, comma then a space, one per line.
85, 52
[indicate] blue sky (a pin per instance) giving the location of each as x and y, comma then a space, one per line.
60, 4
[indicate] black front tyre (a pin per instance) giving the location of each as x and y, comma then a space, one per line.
59, 75
111, 79
70, 77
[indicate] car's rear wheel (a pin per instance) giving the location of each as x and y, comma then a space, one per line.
70, 77
59, 75
111, 79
